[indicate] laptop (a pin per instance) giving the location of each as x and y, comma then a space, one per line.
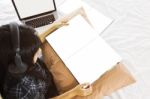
36, 13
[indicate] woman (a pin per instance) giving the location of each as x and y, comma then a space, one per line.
31, 78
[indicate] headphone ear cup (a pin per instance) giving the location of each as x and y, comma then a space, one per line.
20, 64
20, 67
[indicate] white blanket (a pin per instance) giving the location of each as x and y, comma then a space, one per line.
129, 35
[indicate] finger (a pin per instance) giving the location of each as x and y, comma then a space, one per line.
86, 86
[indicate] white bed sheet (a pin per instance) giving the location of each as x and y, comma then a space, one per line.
129, 35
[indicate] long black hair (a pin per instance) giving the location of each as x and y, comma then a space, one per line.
29, 44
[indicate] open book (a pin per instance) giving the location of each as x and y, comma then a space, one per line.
82, 50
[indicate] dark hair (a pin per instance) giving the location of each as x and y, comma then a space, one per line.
29, 44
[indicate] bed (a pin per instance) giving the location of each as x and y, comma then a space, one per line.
128, 35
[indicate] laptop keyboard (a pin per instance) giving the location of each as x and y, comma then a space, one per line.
41, 21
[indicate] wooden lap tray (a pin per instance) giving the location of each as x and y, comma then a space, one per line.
110, 81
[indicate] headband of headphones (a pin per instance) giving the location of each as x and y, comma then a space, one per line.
15, 37
19, 67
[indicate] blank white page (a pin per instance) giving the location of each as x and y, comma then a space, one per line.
69, 39
92, 61
83, 51
97, 19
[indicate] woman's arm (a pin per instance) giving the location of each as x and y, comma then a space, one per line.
53, 27
80, 90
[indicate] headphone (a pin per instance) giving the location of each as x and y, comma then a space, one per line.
19, 66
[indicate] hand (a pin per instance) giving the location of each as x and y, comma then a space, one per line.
84, 89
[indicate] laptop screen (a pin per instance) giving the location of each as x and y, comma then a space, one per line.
31, 8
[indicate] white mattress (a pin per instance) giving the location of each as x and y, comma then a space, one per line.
129, 35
